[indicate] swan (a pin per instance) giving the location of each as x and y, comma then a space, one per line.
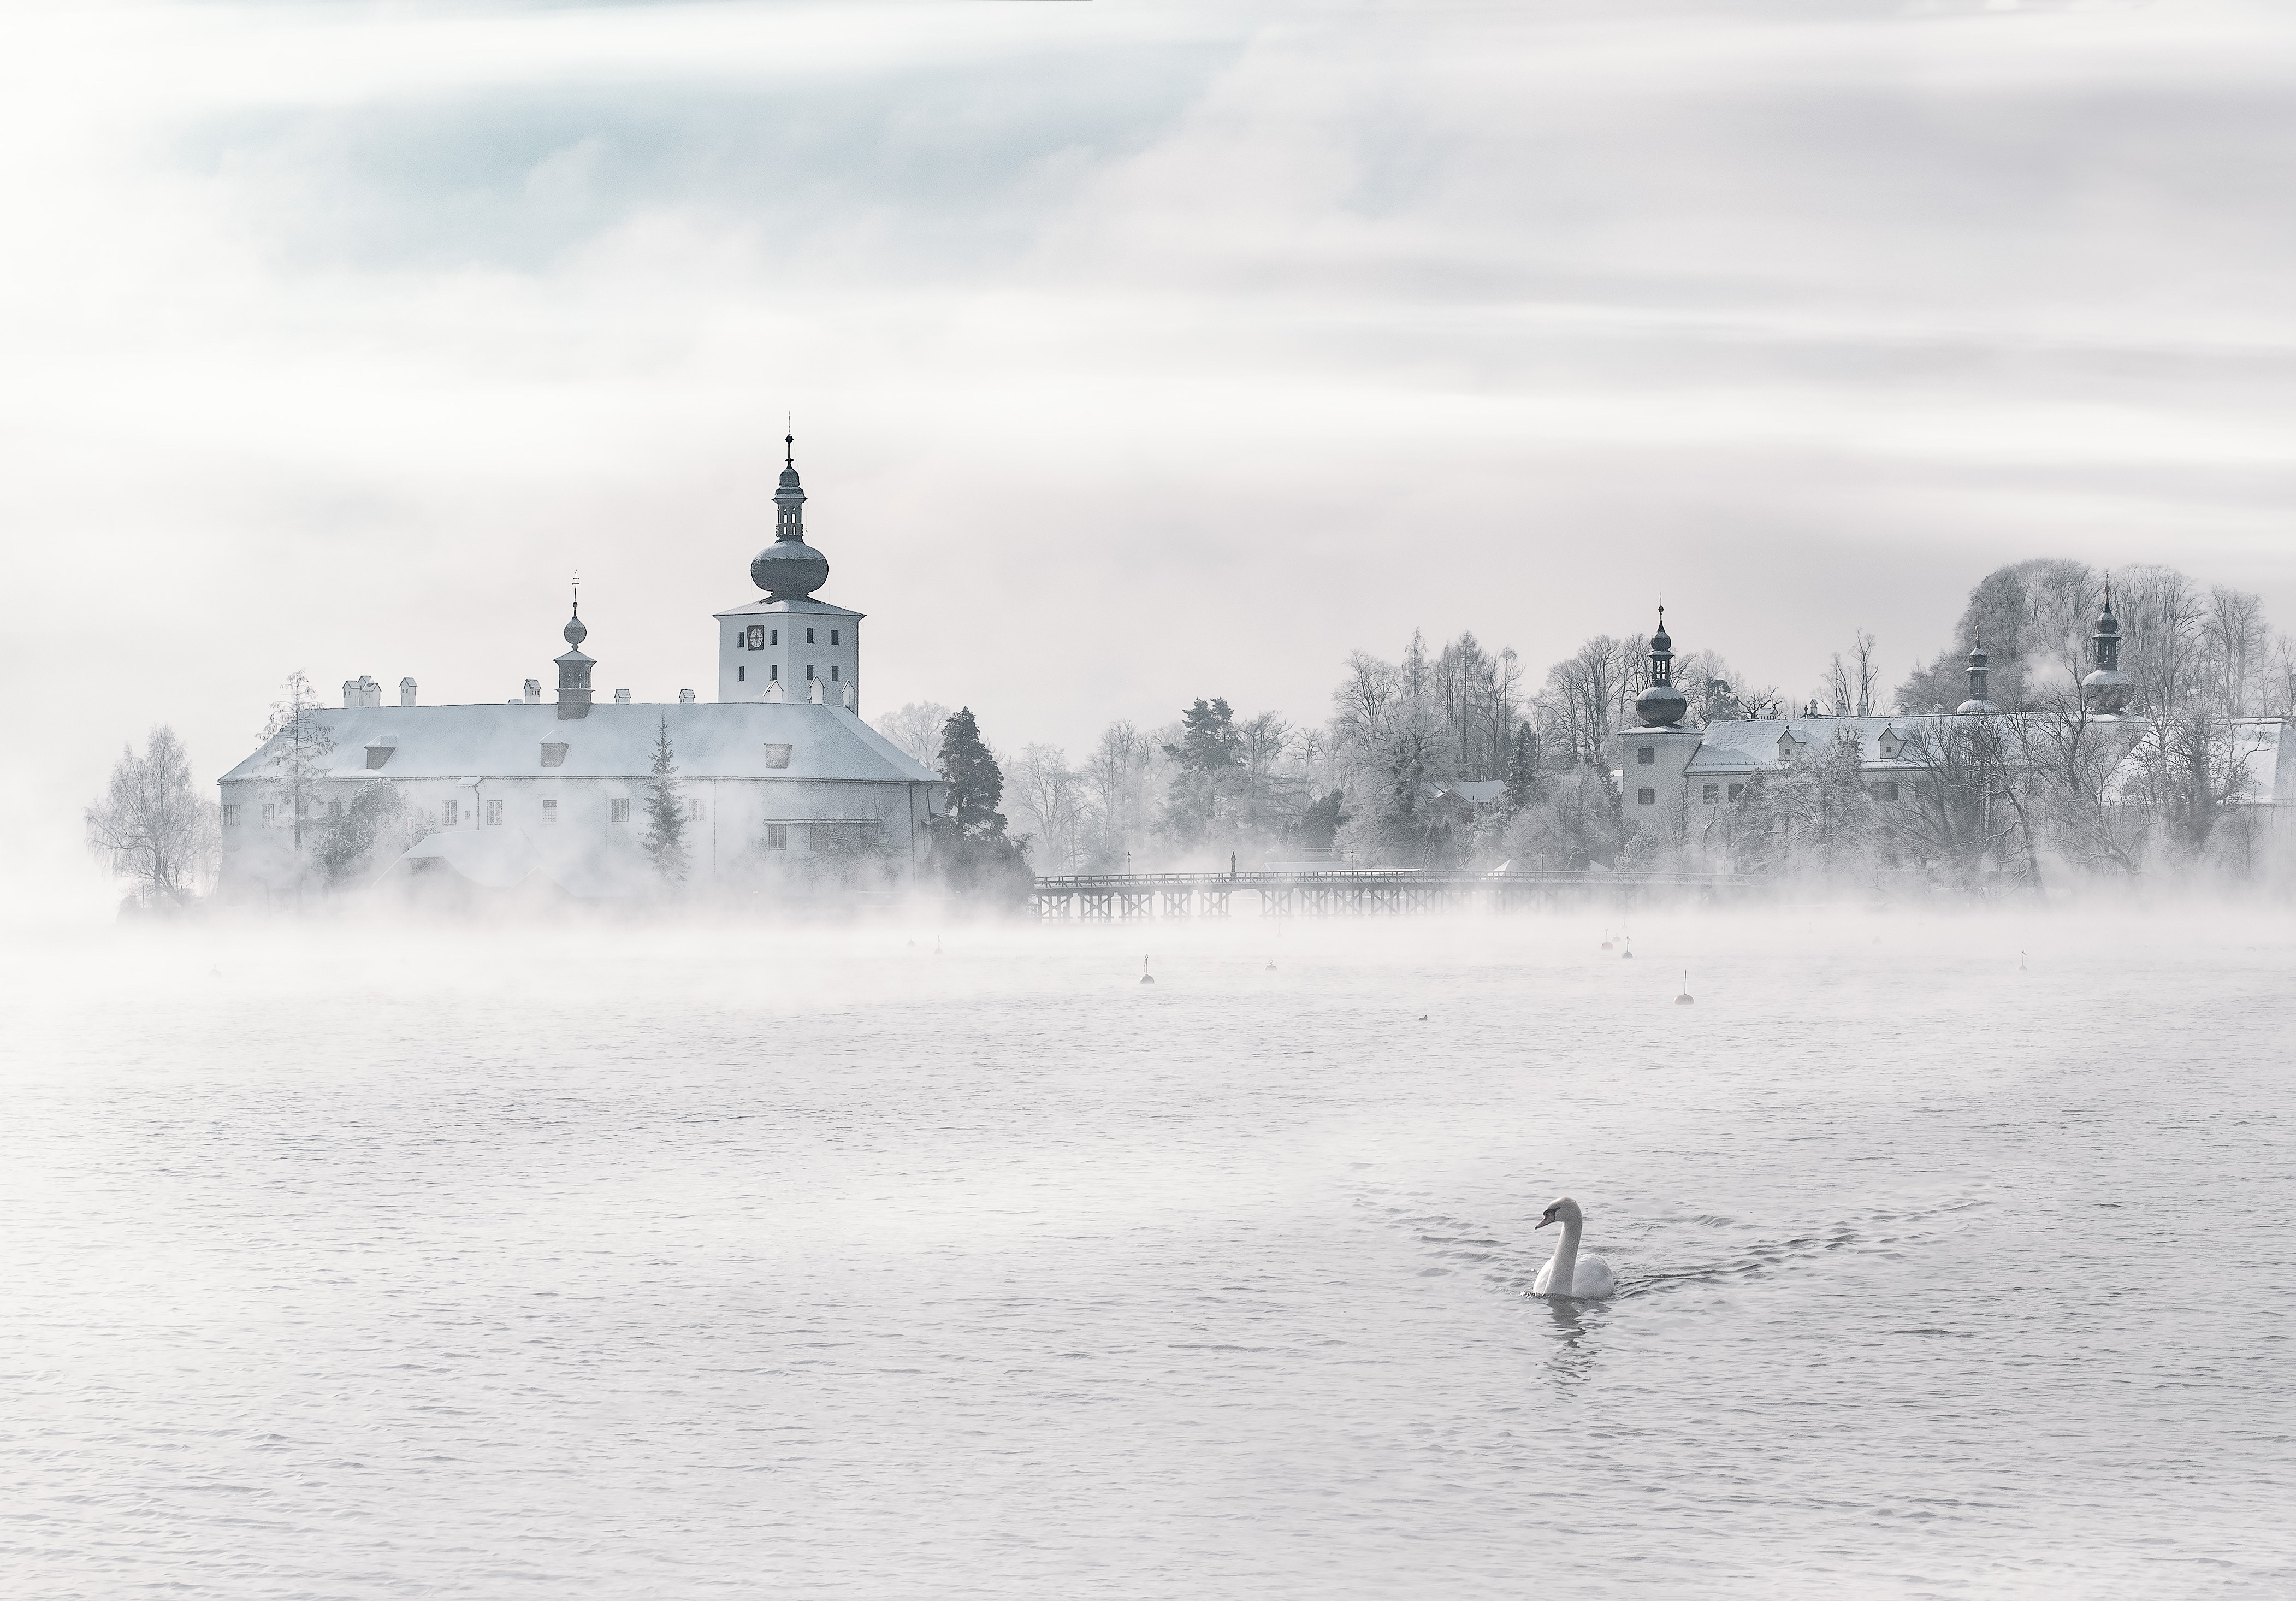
1568, 1273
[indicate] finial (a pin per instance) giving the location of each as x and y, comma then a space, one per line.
789, 449
577, 592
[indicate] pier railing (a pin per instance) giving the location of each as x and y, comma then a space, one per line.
1341, 892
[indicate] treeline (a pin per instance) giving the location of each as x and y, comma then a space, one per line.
1453, 756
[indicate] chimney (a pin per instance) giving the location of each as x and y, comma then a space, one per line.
534, 691
351, 695
370, 692
406, 692
621, 697
686, 697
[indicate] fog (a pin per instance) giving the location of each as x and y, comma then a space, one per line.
1135, 353
922, 1256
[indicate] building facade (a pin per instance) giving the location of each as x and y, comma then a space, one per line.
778, 774
1684, 784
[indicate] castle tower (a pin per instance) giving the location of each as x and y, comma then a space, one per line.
1654, 759
574, 667
2105, 691
790, 639
1977, 673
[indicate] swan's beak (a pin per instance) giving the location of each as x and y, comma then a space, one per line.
1542, 1223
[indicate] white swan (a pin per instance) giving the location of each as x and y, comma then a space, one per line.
1568, 1273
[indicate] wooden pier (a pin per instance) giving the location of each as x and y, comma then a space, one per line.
1360, 892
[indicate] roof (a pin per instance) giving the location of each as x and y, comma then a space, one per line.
712, 739
810, 607
1743, 744
2265, 750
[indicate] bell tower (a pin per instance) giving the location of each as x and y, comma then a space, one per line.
780, 647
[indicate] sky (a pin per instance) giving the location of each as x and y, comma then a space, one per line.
1135, 352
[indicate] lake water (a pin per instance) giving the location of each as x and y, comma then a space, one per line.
575, 1262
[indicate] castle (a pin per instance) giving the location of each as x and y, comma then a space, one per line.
1686, 782
778, 770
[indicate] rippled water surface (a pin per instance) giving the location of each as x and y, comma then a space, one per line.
616, 1264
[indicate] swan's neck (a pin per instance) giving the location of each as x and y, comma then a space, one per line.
1566, 1258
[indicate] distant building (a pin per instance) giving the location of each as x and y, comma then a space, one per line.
1688, 779
778, 770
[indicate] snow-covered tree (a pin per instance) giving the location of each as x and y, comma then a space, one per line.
150, 825
915, 728
296, 744
665, 808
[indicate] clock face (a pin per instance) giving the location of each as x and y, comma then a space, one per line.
758, 639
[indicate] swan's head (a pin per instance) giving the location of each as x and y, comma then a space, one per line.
1565, 1210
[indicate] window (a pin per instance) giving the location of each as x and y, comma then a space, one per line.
833, 671
808, 636
378, 755
618, 810
1645, 755
1645, 797
549, 813
494, 814
777, 637
450, 814
268, 813
553, 755
833, 636
1887, 790
773, 672
777, 836
334, 811
777, 756
808, 670
230, 814
757, 639
1737, 792
693, 811
1713, 792
741, 675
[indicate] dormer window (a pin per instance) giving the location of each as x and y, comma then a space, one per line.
553, 755
778, 756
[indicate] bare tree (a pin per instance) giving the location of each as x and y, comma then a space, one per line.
1051, 796
297, 743
150, 825
917, 728
1118, 776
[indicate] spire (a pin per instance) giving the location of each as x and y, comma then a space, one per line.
1977, 673
574, 667
789, 567
1661, 705
2105, 690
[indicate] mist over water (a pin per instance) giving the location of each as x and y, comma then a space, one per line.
544, 1263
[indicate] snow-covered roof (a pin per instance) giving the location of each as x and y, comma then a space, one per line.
806, 604
710, 739
1741, 746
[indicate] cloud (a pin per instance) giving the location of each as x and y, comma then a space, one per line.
1137, 352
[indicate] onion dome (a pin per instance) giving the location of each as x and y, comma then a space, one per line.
2106, 690
577, 631
789, 569
1977, 673
1661, 705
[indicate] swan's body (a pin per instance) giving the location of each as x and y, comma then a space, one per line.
1568, 1273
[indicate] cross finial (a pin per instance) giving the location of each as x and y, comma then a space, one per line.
789, 448
577, 592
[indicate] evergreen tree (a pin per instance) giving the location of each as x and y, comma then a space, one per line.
975, 781
1206, 758
1525, 782
378, 819
969, 839
665, 807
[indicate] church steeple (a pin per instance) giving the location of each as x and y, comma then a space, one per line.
574, 667
789, 569
2105, 691
1661, 705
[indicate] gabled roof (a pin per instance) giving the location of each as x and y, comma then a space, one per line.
712, 739
1745, 744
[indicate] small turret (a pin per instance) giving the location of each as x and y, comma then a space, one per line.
2105, 691
1977, 673
574, 667
1661, 705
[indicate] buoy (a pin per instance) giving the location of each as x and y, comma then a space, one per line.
2020, 961
1423, 1017
1684, 1000
1271, 963
1627, 955
1146, 977
1606, 938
